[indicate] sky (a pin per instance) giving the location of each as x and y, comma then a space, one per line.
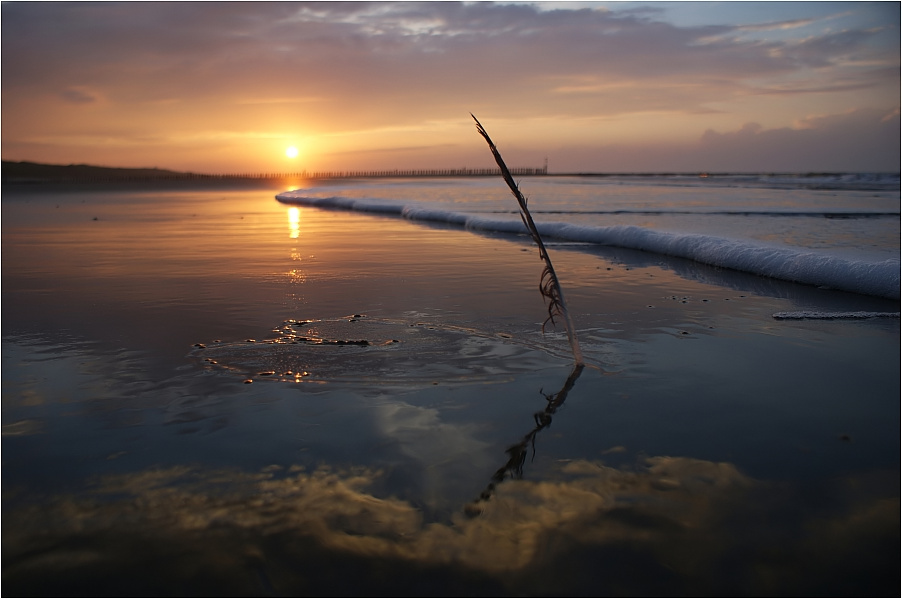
223, 87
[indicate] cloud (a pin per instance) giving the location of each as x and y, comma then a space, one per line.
777, 25
381, 49
824, 50
78, 95
360, 66
863, 140
854, 141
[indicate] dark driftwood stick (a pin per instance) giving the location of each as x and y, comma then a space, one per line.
548, 284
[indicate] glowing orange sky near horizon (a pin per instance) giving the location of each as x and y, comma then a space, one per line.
227, 87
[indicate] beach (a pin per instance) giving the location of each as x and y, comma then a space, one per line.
207, 390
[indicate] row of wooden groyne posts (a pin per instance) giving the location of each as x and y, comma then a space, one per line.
454, 172
168, 176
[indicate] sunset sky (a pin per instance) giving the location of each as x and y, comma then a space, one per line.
602, 87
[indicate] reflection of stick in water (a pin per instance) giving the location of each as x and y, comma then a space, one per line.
548, 285
517, 453
550, 288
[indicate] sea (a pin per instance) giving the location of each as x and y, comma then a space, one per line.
351, 387
839, 231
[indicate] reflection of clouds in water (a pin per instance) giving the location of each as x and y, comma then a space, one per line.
446, 452
22, 427
76, 384
44, 380
422, 434
705, 524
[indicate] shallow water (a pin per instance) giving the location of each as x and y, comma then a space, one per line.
149, 446
856, 220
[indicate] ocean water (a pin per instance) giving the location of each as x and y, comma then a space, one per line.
837, 231
209, 391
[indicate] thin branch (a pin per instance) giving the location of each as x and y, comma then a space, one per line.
549, 286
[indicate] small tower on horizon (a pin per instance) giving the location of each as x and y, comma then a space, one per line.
545, 168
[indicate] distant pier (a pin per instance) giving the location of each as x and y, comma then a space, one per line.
375, 174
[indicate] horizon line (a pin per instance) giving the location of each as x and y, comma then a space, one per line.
98, 173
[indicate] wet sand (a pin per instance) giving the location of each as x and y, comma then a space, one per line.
207, 392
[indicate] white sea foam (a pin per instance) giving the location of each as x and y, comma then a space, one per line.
807, 315
877, 278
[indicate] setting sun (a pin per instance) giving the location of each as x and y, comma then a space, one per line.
291, 152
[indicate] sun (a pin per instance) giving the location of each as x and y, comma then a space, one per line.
291, 152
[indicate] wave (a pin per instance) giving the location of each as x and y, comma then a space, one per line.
808, 315
814, 181
839, 214
879, 279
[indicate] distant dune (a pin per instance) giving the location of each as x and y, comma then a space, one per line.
22, 172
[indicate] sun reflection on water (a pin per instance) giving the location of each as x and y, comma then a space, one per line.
294, 222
